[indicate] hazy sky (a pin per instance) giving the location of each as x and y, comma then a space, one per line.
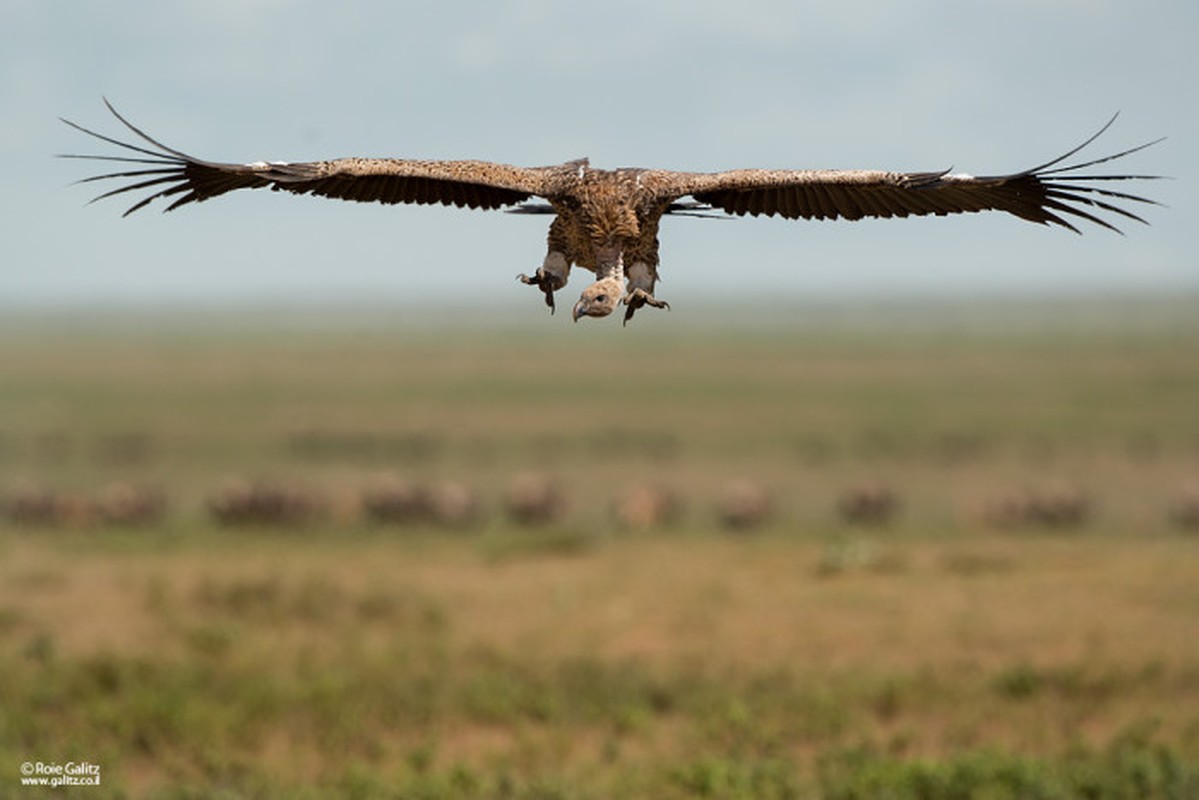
984, 87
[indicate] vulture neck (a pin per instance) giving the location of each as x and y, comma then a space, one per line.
609, 262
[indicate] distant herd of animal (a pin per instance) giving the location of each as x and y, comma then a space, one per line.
534, 501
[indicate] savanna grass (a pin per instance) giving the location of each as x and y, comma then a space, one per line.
926, 655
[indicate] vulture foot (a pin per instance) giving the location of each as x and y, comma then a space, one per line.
547, 282
638, 298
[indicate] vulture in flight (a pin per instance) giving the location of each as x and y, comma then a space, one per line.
606, 221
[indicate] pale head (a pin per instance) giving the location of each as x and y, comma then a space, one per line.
599, 299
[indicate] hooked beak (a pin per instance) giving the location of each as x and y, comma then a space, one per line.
578, 311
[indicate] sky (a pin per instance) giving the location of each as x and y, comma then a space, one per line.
984, 87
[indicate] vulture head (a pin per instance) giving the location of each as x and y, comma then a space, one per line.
599, 299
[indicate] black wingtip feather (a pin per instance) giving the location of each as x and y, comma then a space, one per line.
1067, 193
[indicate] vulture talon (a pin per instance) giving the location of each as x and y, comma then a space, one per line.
639, 298
547, 282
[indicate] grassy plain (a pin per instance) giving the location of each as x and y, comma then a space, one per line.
936, 657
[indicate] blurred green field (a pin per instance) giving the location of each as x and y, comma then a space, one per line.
937, 656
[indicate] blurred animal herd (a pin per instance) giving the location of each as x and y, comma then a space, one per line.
530, 500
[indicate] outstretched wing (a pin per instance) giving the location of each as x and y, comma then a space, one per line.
169, 173
1046, 194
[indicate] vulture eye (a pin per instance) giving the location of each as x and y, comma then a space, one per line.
601, 298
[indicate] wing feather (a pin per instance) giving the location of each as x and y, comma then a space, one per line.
472, 184
1045, 194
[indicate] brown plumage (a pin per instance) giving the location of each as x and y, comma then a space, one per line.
606, 221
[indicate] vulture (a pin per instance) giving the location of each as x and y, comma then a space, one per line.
606, 221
